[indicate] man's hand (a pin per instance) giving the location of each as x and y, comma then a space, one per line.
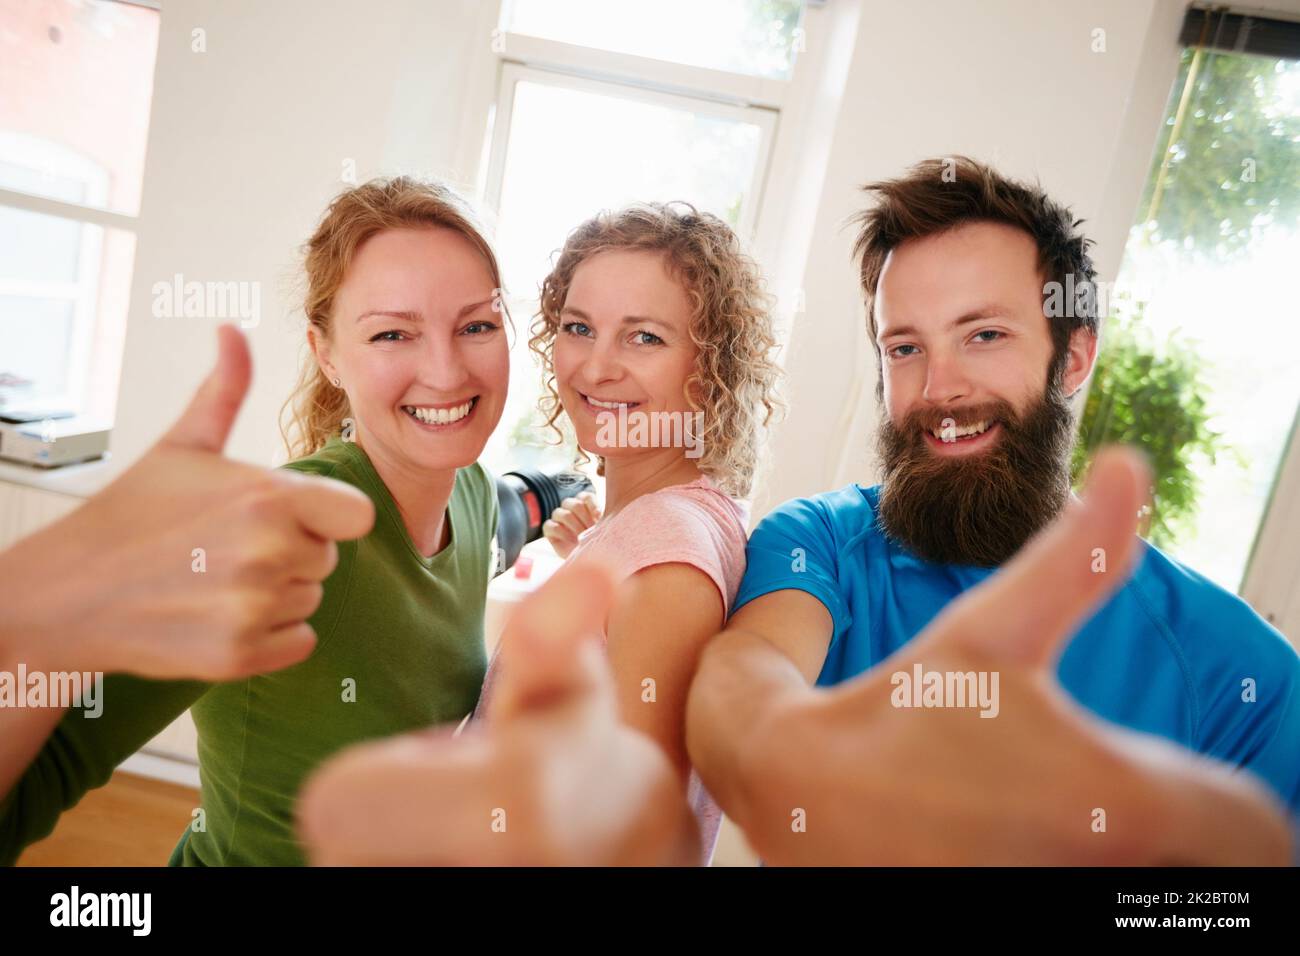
189, 565
552, 779
846, 777
574, 516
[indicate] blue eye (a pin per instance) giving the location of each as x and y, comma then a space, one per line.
575, 328
647, 338
383, 336
990, 332
893, 352
483, 328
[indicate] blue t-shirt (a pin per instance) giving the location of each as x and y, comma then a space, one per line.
1167, 654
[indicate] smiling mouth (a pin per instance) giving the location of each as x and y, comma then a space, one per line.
602, 405
958, 440
441, 415
963, 432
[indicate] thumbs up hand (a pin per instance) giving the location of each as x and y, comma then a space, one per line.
552, 778
189, 565
861, 775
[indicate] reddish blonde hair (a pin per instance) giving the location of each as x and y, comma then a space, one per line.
316, 408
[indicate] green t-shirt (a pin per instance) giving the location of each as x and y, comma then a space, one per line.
399, 647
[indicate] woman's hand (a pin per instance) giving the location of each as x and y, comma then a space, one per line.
189, 565
574, 516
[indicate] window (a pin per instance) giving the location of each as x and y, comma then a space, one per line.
601, 105
1207, 271
71, 168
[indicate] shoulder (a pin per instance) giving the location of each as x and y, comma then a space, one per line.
802, 545
684, 524
688, 508
682, 547
336, 459
340, 461
836, 516
345, 461
477, 481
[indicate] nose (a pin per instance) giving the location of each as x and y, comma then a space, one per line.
602, 363
442, 367
945, 379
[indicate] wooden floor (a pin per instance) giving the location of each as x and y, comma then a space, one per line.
136, 821
133, 821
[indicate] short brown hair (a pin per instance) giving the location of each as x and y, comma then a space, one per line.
937, 195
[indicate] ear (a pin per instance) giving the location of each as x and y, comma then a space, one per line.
692, 390
1080, 358
320, 348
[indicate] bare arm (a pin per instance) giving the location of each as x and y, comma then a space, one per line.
765, 660
661, 621
848, 775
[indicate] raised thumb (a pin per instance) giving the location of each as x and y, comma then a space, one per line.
542, 646
206, 423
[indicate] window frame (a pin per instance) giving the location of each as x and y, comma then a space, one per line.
96, 219
83, 292
513, 73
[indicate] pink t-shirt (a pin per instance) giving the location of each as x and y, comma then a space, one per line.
695, 524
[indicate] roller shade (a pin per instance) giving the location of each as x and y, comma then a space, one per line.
1231, 32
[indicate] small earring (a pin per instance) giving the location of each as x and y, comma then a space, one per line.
337, 383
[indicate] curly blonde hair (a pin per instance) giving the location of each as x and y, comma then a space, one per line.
316, 409
734, 380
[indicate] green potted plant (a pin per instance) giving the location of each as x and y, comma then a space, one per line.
1152, 396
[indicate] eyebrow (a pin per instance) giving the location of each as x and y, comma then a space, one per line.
977, 315
627, 319
413, 316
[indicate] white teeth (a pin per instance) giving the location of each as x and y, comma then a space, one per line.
600, 404
944, 434
439, 416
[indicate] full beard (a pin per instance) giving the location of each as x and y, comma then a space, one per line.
976, 509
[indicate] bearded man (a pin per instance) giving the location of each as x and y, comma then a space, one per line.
962, 271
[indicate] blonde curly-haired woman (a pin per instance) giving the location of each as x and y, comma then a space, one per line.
655, 338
